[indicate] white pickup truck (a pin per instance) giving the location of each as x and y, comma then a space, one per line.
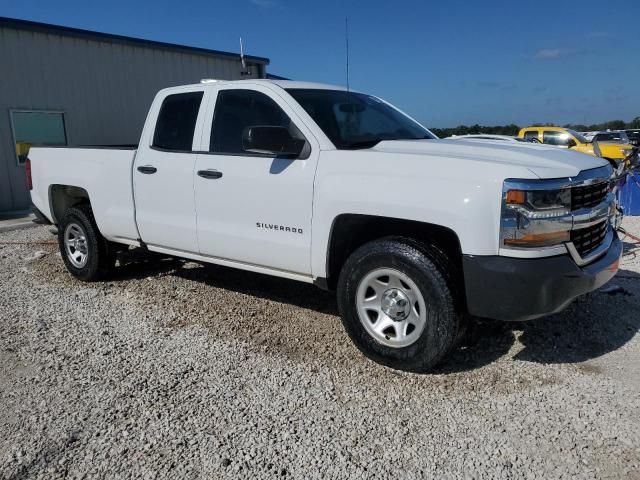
324, 185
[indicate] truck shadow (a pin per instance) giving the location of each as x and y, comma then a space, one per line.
631, 250
138, 264
592, 326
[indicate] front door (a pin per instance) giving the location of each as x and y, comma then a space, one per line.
163, 176
254, 208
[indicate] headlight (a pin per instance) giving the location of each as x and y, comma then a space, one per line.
534, 216
540, 203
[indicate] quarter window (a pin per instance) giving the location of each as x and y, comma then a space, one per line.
531, 135
238, 109
177, 121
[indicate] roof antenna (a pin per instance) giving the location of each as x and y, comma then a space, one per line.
346, 39
245, 71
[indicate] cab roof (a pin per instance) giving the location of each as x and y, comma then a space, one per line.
261, 81
544, 127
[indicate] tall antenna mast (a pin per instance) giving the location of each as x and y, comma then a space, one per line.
346, 39
245, 70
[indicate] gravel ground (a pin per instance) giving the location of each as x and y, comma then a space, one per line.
176, 370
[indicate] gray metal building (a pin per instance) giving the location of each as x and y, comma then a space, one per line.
65, 86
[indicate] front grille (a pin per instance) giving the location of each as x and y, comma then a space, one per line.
587, 239
589, 195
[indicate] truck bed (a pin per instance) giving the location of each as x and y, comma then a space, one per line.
105, 173
117, 146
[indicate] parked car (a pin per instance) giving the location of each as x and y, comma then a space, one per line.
567, 138
634, 137
616, 136
492, 137
323, 185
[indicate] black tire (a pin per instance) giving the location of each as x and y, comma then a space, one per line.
429, 269
100, 258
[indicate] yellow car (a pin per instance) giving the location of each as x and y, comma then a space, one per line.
567, 138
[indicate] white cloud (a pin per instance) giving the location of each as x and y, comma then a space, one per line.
264, 3
546, 53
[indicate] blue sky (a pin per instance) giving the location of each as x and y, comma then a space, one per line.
444, 62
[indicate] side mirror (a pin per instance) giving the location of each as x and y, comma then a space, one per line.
271, 140
571, 143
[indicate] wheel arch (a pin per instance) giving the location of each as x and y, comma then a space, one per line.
350, 231
63, 197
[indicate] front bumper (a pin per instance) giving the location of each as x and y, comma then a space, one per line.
517, 289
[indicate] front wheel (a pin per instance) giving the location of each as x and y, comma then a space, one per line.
85, 252
396, 299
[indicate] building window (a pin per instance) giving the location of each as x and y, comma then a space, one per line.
177, 121
36, 128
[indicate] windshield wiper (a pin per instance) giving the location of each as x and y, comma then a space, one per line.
373, 142
362, 144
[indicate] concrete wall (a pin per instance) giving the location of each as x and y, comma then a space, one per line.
104, 88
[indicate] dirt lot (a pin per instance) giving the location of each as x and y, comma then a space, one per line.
175, 370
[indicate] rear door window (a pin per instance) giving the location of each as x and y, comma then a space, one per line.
531, 135
177, 122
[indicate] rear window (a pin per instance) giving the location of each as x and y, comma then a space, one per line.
177, 121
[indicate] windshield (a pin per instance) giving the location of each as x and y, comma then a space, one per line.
354, 120
578, 136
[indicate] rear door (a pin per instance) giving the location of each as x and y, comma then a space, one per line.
163, 173
253, 208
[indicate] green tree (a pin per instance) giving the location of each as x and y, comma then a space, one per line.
615, 125
635, 123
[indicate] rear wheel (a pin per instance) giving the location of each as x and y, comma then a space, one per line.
85, 252
397, 303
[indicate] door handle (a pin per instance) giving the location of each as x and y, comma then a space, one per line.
147, 169
209, 174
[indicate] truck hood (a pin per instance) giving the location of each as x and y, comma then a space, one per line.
543, 161
613, 149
